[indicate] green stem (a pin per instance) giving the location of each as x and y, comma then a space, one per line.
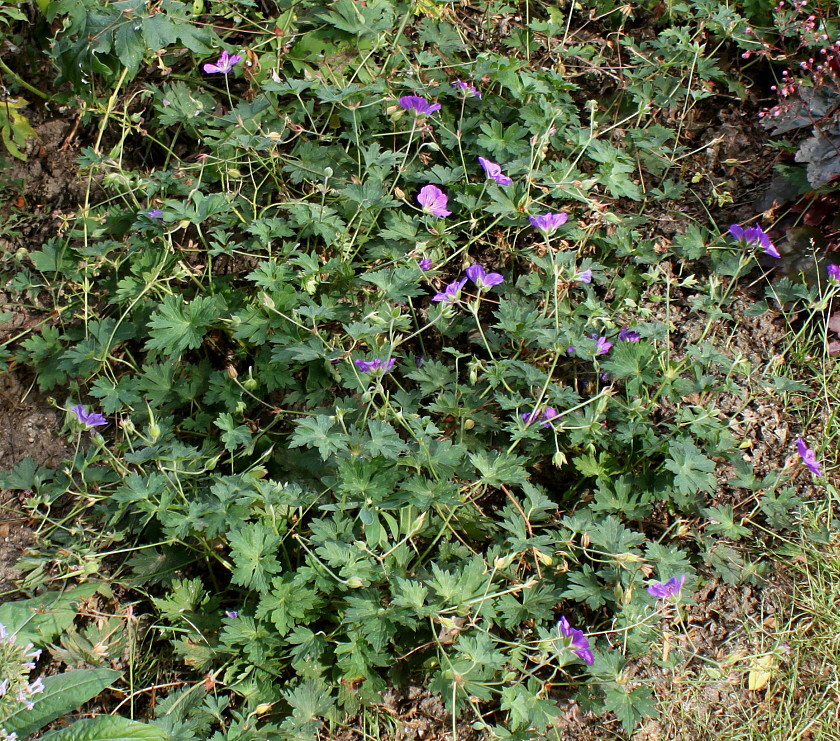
23, 83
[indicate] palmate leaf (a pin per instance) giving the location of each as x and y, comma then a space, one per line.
316, 432
630, 706
177, 325
693, 471
253, 547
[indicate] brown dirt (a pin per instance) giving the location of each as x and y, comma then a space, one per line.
37, 193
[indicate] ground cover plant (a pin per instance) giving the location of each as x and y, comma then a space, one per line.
363, 332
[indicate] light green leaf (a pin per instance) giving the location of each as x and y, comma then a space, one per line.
107, 728
62, 693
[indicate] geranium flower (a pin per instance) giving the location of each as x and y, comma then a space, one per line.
433, 200
575, 641
224, 64
467, 88
549, 414
833, 272
809, 457
667, 590
418, 106
585, 276
375, 366
628, 335
755, 235
451, 293
424, 264
155, 214
494, 171
548, 223
602, 347
484, 281
88, 419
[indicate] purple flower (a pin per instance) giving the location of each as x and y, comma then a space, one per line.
467, 88
629, 335
602, 347
571, 350
549, 414
224, 64
4, 687
667, 590
155, 214
484, 281
833, 272
424, 264
585, 276
575, 641
494, 171
809, 457
548, 223
418, 106
233, 614
375, 366
92, 419
451, 293
433, 200
754, 235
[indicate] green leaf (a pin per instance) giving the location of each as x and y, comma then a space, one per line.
62, 693
585, 587
384, 441
500, 468
40, 619
693, 471
108, 728
233, 436
722, 520
253, 547
316, 432
630, 706
177, 325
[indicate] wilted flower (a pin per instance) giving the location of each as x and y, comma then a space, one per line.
88, 419
451, 293
417, 105
629, 335
833, 272
424, 264
494, 171
667, 590
548, 223
375, 366
809, 457
233, 614
467, 88
575, 641
584, 276
433, 200
225, 63
754, 235
484, 281
155, 214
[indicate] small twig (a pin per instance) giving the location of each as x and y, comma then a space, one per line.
127, 698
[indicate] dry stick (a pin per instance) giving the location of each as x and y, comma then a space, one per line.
527, 526
145, 689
